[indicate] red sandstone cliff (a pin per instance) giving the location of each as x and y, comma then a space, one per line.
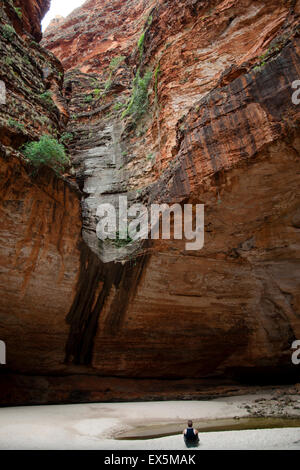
220, 129
26, 15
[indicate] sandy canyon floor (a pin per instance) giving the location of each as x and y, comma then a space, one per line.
132, 426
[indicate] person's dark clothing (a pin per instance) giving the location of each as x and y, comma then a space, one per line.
190, 438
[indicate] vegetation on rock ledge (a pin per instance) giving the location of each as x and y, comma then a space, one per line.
47, 151
8, 32
139, 99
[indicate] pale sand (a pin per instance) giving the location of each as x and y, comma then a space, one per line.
92, 426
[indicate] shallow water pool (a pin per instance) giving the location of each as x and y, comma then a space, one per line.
224, 424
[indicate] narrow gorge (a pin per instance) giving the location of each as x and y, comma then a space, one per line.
164, 102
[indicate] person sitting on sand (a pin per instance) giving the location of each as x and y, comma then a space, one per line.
191, 436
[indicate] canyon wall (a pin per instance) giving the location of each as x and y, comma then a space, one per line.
40, 213
164, 102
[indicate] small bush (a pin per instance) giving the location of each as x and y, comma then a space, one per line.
141, 43
47, 151
139, 102
47, 97
15, 124
18, 11
8, 32
113, 66
108, 83
8, 61
118, 106
66, 137
97, 92
88, 99
116, 62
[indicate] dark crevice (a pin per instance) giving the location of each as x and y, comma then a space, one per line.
93, 288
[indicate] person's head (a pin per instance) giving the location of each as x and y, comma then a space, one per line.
190, 423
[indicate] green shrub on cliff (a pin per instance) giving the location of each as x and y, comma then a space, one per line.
97, 92
139, 102
15, 124
8, 32
113, 66
47, 151
66, 138
47, 97
141, 44
18, 11
116, 62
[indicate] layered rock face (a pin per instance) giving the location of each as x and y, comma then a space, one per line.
169, 102
32, 15
25, 16
40, 213
98, 31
